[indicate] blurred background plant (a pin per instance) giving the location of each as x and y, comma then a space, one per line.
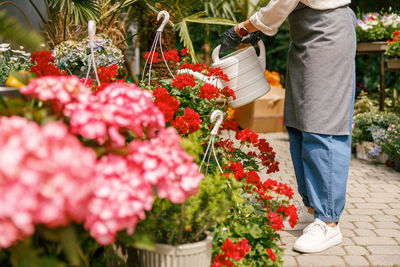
12, 60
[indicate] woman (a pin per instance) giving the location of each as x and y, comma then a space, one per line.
318, 104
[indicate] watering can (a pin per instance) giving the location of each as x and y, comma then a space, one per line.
246, 73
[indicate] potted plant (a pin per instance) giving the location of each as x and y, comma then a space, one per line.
373, 29
393, 52
368, 130
391, 144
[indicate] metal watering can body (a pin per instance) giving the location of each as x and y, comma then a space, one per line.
246, 73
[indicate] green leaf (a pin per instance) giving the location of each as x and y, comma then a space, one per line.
69, 240
51, 262
255, 231
140, 240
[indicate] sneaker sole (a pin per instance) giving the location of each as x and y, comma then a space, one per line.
328, 244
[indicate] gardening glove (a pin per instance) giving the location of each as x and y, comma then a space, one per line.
253, 38
230, 39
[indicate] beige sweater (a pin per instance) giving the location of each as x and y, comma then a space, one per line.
269, 18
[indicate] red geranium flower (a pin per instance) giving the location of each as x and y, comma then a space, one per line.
153, 56
165, 102
183, 80
188, 123
172, 55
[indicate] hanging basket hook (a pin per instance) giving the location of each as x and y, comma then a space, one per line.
219, 116
165, 21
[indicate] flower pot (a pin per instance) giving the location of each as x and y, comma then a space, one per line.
393, 64
188, 255
9, 91
396, 159
372, 47
362, 153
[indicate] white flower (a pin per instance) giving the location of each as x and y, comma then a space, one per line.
4, 45
3, 49
365, 27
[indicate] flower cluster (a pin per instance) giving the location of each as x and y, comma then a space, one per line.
63, 89
188, 123
391, 140
107, 76
164, 163
43, 64
12, 60
119, 200
165, 102
393, 49
114, 111
74, 56
231, 252
47, 177
377, 27
184, 80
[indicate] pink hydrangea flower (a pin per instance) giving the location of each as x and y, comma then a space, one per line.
118, 108
46, 177
64, 89
164, 163
120, 199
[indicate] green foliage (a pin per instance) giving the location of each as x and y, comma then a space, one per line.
59, 247
13, 32
364, 104
365, 123
76, 11
390, 142
174, 224
248, 222
393, 49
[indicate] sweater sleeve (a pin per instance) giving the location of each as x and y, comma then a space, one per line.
269, 18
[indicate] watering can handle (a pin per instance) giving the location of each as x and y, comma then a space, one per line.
261, 57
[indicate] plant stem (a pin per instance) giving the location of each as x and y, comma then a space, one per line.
37, 10
3, 102
205, 227
182, 219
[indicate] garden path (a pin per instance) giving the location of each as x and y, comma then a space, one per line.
370, 223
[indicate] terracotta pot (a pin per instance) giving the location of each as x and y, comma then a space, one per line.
188, 255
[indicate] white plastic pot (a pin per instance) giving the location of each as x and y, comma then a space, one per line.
188, 255
246, 73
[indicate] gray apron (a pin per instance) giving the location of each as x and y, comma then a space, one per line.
320, 72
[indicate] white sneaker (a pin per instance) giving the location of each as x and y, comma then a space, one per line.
317, 237
305, 219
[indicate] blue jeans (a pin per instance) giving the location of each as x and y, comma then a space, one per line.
321, 164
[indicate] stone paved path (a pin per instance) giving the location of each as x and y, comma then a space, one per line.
370, 223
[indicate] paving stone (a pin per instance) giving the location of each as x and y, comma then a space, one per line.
385, 195
395, 205
383, 260
289, 261
357, 194
373, 240
379, 200
317, 260
347, 232
364, 211
356, 250
364, 232
364, 225
355, 200
334, 251
384, 250
356, 261
387, 232
346, 225
395, 212
372, 205
358, 218
347, 241
385, 218
380, 225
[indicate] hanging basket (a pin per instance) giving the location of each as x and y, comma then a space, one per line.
188, 255
372, 47
393, 64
